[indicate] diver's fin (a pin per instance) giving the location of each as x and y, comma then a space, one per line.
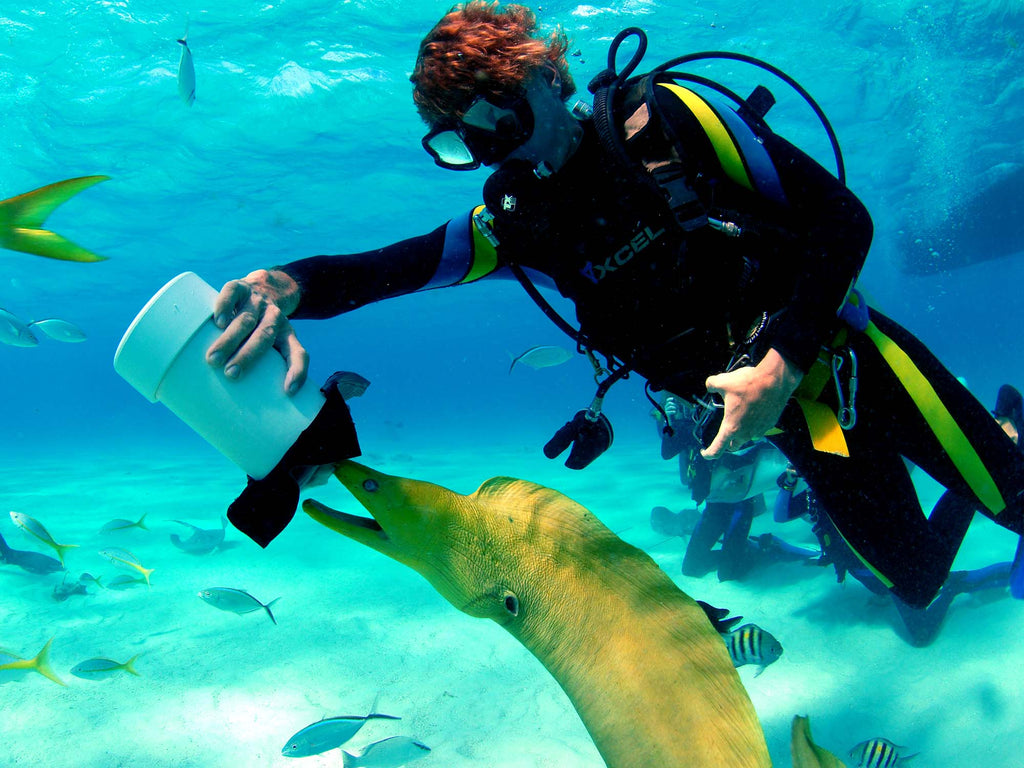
22, 218
1017, 572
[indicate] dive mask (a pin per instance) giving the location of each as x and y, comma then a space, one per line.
487, 133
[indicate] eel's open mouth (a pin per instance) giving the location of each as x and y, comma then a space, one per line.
327, 515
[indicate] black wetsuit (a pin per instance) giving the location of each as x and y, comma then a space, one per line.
674, 304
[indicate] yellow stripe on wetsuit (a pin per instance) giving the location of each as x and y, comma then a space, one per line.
940, 421
721, 139
485, 255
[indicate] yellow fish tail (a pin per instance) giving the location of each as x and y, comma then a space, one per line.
41, 664
60, 548
22, 218
128, 665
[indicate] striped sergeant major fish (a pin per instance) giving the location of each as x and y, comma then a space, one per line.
752, 645
879, 753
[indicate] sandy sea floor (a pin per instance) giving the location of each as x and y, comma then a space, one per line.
222, 690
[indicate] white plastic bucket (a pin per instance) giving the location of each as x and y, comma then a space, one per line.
163, 355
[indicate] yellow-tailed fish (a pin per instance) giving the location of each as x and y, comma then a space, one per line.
99, 668
13, 666
186, 72
125, 559
22, 218
120, 524
35, 528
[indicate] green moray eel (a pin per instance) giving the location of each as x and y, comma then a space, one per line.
22, 217
641, 663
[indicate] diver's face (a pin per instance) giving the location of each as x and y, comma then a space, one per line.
556, 133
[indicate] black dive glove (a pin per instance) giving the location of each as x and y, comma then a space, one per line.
589, 439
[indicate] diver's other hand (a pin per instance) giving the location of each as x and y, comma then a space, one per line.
253, 313
754, 398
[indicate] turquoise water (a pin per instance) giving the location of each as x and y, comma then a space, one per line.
303, 140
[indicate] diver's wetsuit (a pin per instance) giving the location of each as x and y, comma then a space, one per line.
674, 304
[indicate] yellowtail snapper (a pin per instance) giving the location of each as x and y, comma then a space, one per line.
386, 753
879, 753
34, 528
752, 645
120, 524
99, 668
235, 600
122, 558
22, 218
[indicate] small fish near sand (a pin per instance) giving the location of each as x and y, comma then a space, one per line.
14, 332
752, 645
202, 541
879, 753
22, 218
542, 356
125, 560
33, 562
59, 330
329, 733
101, 669
236, 601
13, 667
186, 72
386, 753
36, 529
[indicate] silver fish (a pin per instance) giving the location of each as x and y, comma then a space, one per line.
327, 734
879, 753
186, 72
542, 356
14, 332
59, 330
752, 645
387, 753
202, 541
236, 600
97, 669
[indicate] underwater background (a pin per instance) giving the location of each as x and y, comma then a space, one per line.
303, 140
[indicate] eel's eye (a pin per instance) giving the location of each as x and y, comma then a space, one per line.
512, 603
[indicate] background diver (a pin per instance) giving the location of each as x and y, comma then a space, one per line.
701, 250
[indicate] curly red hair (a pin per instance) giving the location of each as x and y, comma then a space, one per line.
481, 49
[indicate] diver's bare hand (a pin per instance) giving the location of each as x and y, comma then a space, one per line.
253, 313
754, 398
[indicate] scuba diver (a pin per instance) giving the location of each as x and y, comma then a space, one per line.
731, 490
701, 250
